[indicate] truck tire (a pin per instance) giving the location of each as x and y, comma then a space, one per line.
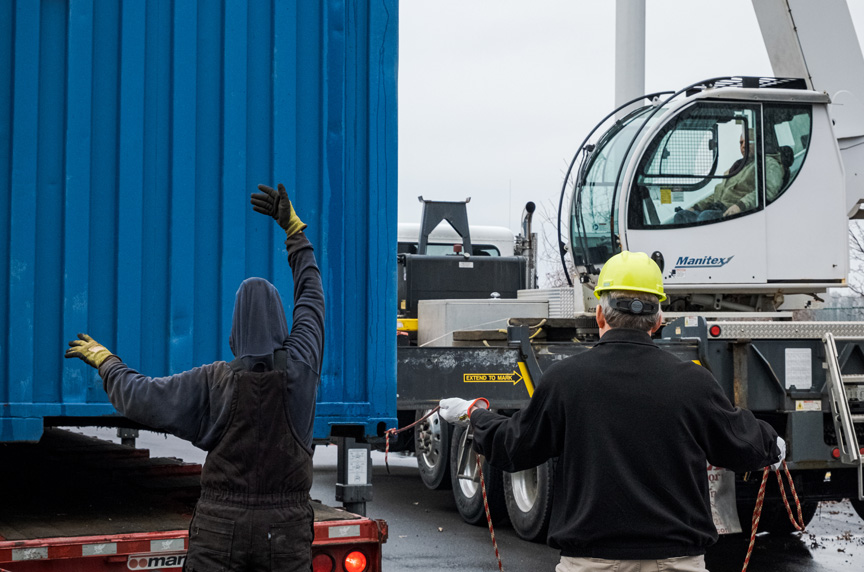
466, 489
432, 446
528, 496
858, 506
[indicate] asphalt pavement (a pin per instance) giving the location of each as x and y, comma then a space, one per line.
427, 534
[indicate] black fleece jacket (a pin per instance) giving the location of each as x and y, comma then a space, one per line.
634, 428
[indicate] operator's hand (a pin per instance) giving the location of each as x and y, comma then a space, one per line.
277, 205
92, 352
734, 209
781, 444
458, 411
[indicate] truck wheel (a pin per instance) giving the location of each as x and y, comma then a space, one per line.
528, 495
858, 506
432, 446
466, 482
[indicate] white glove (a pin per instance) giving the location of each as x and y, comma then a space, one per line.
455, 410
782, 445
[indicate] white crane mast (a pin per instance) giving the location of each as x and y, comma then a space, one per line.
629, 52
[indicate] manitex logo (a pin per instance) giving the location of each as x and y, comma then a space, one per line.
704, 262
155, 561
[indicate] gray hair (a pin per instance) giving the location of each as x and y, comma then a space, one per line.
618, 319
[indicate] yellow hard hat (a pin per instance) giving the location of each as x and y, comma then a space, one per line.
631, 271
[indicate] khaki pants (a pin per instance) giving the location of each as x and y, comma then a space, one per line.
679, 564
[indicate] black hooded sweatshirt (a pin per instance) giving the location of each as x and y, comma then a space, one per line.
196, 405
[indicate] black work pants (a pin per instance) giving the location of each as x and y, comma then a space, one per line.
238, 537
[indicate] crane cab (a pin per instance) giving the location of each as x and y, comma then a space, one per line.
735, 187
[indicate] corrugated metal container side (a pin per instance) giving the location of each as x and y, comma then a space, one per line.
131, 135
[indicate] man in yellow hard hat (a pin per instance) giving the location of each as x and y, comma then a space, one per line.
633, 428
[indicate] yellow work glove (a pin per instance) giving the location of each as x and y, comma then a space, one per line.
277, 205
89, 350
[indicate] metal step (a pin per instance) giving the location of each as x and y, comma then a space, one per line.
857, 418
852, 378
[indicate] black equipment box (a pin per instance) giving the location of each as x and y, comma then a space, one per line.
424, 277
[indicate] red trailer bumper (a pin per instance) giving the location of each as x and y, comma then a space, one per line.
336, 542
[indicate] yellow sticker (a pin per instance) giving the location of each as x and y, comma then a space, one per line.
665, 196
808, 405
512, 377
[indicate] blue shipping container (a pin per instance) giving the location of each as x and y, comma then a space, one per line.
131, 135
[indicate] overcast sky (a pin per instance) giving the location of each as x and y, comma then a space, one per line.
495, 95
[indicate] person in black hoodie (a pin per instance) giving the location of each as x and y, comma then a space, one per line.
253, 415
633, 428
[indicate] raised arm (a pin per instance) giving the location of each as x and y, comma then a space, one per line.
306, 342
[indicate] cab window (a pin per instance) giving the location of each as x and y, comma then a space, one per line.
703, 167
594, 211
787, 138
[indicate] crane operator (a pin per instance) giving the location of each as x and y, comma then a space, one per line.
253, 415
633, 428
737, 192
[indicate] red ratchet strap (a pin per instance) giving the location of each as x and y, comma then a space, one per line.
397, 431
757, 512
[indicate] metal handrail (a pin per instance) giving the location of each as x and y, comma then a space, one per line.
847, 440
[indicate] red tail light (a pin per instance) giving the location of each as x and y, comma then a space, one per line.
355, 562
322, 563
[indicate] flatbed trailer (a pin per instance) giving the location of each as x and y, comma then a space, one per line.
74, 503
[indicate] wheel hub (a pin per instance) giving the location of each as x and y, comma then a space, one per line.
469, 480
524, 487
429, 441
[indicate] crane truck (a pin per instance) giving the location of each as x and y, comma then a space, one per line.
648, 178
